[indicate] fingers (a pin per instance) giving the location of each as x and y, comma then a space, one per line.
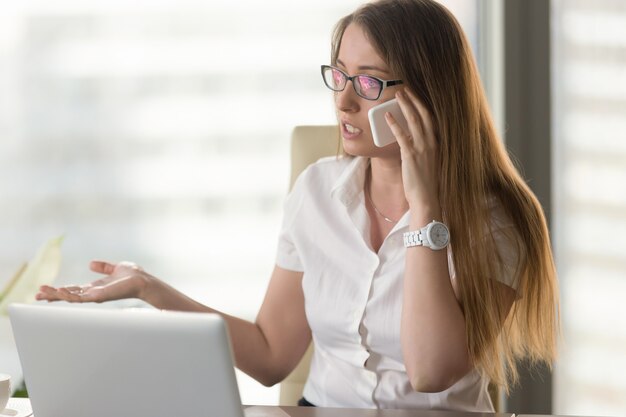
75, 293
47, 293
102, 267
72, 293
130, 265
416, 131
418, 119
72, 296
403, 138
424, 114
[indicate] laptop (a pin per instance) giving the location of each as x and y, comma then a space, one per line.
98, 362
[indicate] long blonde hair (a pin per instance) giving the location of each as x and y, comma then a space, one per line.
424, 45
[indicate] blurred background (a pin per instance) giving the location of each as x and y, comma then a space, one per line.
158, 132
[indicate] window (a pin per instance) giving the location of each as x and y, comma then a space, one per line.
158, 132
589, 70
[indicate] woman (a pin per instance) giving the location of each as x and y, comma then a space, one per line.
397, 322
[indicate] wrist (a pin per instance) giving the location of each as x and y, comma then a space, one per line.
145, 286
422, 217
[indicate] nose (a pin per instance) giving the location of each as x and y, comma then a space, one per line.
347, 100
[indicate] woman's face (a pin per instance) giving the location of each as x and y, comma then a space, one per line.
358, 56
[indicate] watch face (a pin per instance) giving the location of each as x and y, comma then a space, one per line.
439, 235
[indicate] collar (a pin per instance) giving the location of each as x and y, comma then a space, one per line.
351, 181
349, 186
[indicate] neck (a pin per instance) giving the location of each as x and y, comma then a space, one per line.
386, 188
386, 180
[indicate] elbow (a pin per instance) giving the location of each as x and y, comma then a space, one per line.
267, 382
435, 380
426, 385
271, 377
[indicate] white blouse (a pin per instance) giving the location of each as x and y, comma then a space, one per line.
353, 295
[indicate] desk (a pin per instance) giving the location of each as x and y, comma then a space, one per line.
283, 411
23, 405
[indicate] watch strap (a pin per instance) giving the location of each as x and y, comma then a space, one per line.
413, 238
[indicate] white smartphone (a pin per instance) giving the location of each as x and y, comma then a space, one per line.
381, 132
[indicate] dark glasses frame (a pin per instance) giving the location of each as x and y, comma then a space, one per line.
356, 85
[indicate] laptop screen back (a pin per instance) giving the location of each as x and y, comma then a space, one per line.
104, 363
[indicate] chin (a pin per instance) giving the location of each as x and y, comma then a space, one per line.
370, 150
354, 148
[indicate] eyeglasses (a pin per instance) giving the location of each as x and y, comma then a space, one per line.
366, 86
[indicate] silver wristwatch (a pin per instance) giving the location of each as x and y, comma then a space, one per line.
434, 235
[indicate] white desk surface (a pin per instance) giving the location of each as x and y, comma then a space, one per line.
20, 407
283, 411
17, 407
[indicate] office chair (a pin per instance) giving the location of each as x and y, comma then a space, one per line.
310, 143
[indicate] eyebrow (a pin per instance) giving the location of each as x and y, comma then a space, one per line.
365, 67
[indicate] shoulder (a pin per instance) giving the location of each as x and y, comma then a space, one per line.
313, 187
329, 166
323, 173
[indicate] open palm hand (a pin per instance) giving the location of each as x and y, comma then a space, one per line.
122, 280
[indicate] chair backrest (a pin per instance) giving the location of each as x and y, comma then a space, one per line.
308, 144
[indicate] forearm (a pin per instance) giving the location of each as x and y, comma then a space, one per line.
251, 350
433, 330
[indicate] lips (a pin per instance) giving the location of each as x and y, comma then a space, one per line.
349, 130
352, 129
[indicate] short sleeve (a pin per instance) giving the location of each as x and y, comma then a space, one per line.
510, 256
287, 256
508, 245
510, 252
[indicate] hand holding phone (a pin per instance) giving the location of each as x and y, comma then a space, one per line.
381, 132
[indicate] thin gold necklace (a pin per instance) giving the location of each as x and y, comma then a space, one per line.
369, 197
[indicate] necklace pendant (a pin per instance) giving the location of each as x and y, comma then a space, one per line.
368, 194
387, 219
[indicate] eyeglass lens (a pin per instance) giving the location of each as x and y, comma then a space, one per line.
365, 86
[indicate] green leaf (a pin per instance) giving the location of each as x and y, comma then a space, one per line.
42, 270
